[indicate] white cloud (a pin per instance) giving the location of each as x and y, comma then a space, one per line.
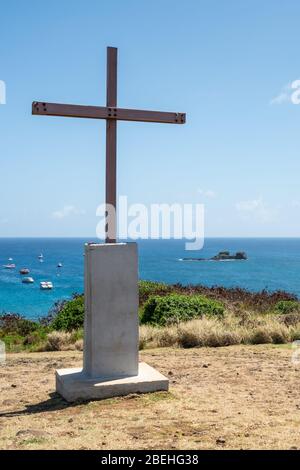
256, 209
67, 211
209, 193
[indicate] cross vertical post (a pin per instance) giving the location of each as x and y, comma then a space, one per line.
111, 144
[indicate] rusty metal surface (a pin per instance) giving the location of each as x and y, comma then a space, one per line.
111, 142
112, 114
109, 112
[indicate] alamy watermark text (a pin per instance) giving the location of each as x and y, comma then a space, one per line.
138, 221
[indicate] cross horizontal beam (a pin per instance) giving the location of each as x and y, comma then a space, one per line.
100, 112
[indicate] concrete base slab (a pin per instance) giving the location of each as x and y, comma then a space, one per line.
73, 384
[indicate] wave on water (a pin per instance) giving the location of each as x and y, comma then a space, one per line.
208, 260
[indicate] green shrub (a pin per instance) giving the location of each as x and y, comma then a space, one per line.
148, 288
35, 338
13, 342
71, 315
12, 323
287, 306
173, 308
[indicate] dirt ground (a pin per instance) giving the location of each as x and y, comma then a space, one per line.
238, 397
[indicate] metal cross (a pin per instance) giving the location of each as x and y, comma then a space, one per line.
112, 114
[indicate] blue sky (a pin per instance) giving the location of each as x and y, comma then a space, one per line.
227, 64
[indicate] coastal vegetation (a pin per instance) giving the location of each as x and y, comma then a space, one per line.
175, 308
170, 315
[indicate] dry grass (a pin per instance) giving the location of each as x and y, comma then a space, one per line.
151, 336
207, 332
79, 345
212, 332
234, 328
236, 397
59, 341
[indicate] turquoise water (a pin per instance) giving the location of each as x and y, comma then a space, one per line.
272, 264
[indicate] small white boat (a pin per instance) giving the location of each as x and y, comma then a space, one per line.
28, 280
41, 256
10, 259
9, 266
59, 265
46, 285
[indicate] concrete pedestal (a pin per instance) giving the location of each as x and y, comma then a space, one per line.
73, 384
110, 358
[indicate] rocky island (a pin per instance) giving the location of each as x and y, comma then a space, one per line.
221, 256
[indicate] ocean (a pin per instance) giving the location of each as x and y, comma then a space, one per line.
273, 263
